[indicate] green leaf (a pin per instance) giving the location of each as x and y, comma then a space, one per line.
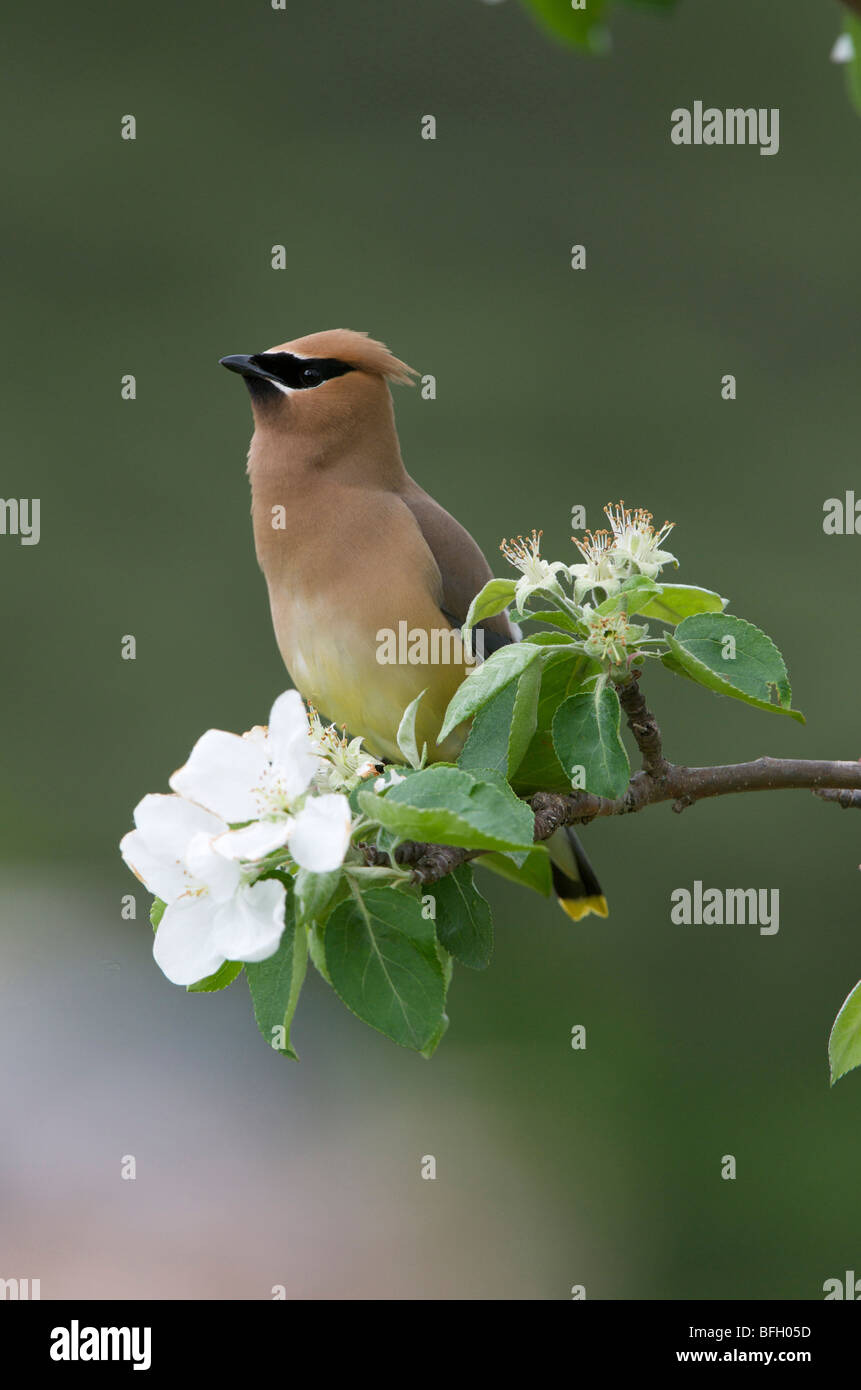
223, 976
275, 984
756, 674
844, 1044
496, 595
548, 639
586, 734
406, 735
524, 720
852, 27
317, 949
313, 893
534, 871
382, 959
448, 806
428, 1051
366, 873
674, 602
638, 589
487, 742
464, 923
502, 730
557, 618
563, 673
502, 784
156, 912
445, 959
581, 28
485, 681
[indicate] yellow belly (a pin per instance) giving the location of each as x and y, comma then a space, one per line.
364, 679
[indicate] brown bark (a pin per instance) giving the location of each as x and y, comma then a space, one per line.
657, 781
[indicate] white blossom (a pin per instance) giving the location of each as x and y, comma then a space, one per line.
599, 569
635, 547
523, 554
214, 911
260, 786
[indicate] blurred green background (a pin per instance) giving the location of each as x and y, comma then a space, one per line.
555, 387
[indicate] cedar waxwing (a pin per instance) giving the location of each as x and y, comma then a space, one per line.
355, 553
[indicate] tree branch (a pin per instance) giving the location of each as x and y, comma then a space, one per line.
643, 725
657, 781
844, 798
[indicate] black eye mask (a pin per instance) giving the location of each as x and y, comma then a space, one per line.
300, 373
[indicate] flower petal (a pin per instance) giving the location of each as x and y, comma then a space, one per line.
249, 927
389, 779
168, 823
290, 747
288, 720
252, 841
183, 946
220, 875
522, 590
168, 880
663, 557
222, 773
320, 833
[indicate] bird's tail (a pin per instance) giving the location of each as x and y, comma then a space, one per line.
574, 880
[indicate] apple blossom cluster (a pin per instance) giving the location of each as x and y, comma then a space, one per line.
618, 575
631, 547
242, 806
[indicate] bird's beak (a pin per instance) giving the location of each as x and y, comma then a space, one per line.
247, 367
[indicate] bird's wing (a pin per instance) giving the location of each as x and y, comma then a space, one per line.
462, 566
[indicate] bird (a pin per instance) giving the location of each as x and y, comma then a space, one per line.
352, 547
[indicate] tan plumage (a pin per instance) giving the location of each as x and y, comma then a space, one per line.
358, 547
362, 548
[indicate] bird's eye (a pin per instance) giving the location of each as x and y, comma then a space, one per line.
311, 376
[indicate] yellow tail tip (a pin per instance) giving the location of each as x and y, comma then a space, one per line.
581, 907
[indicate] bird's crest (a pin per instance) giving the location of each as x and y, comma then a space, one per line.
364, 353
